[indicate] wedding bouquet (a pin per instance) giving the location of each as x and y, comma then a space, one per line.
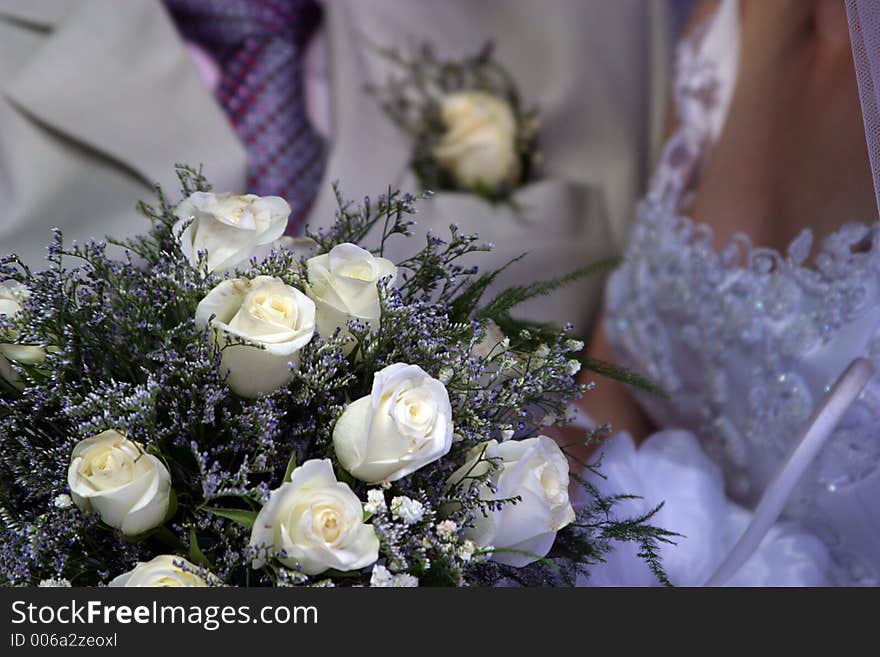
213, 404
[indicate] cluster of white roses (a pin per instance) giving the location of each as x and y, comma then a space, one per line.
313, 522
264, 312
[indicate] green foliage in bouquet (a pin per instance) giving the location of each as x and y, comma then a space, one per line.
137, 442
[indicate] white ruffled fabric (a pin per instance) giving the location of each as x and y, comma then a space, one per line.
670, 467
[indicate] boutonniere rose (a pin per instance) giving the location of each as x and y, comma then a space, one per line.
469, 129
478, 147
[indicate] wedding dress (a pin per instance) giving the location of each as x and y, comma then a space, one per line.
748, 342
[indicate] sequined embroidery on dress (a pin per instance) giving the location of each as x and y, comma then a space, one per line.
746, 339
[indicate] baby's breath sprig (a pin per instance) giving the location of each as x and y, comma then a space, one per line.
415, 98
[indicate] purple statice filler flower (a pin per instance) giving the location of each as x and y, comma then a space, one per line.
122, 350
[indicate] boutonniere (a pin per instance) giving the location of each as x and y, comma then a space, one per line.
469, 127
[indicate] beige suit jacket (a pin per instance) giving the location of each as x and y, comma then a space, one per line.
99, 99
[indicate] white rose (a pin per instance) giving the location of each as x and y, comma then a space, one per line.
492, 343
278, 319
342, 284
113, 476
404, 424
479, 145
162, 572
493, 348
229, 227
11, 294
317, 522
534, 469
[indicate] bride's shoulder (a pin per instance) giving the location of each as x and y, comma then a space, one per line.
700, 12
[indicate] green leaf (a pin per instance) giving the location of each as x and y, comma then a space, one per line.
169, 538
538, 332
172, 506
514, 296
33, 373
160, 533
195, 552
623, 375
345, 477
5, 386
291, 466
242, 517
465, 303
537, 557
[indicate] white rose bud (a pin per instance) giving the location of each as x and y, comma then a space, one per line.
11, 294
229, 227
278, 319
479, 145
534, 469
404, 424
492, 343
342, 283
317, 521
162, 572
113, 477
493, 348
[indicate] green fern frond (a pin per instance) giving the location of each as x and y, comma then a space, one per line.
513, 296
618, 373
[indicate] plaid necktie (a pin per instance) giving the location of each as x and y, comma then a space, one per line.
259, 46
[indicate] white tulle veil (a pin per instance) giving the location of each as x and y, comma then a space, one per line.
864, 29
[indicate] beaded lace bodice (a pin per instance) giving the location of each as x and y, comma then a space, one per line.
746, 339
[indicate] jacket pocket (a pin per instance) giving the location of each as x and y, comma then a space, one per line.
559, 225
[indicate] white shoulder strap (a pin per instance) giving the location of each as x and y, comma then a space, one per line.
845, 391
864, 30
720, 47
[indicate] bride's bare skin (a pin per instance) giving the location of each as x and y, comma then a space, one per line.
791, 154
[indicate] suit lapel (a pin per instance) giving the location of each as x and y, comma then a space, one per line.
368, 153
39, 15
120, 83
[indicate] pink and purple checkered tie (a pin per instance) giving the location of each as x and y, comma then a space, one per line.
259, 46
